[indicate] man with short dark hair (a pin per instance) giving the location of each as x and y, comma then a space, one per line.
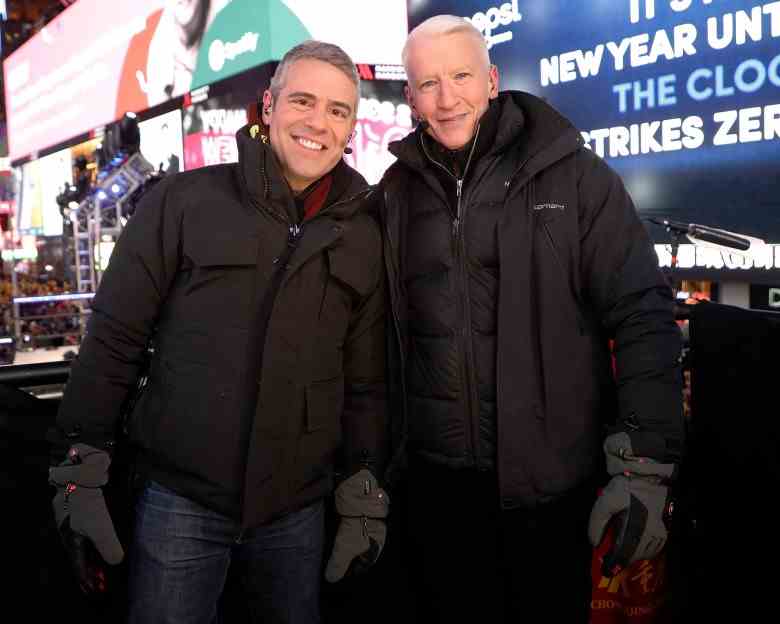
261, 286
514, 255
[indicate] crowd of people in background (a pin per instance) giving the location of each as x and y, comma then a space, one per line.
47, 324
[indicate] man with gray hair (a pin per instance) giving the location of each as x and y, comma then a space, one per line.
260, 286
514, 256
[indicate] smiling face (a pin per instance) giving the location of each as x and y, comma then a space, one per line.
450, 85
311, 120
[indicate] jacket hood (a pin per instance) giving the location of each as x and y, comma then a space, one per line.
263, 182
526, 122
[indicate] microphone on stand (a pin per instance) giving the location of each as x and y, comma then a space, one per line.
704, 233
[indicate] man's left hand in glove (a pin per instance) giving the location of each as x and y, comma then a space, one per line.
82, 517
638, 498
363, 506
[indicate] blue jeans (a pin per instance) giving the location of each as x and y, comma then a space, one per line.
182, 551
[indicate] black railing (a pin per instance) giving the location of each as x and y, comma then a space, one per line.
30, 375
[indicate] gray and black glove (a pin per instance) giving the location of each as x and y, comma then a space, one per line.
638, 499
363, 506
82, 517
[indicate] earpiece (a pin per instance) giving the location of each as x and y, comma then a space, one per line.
347, 148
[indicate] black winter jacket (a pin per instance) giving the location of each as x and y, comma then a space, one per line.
451, 283
193, 268
575, 268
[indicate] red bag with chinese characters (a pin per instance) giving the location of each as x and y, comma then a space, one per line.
637, 595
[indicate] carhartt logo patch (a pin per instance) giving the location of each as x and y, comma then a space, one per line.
549, 206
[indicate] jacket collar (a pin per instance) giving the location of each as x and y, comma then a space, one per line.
263, 182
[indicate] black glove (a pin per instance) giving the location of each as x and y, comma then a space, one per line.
638, 499
363, 505
82, 516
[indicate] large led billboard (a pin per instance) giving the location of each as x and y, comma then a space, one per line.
681, 97
99, 59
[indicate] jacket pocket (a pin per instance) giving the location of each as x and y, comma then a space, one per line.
324, 404
319, 442
224, 253
221, 283
350, 271
348, 281
575, 299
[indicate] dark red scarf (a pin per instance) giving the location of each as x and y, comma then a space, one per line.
315, 200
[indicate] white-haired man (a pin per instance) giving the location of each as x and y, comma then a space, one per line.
514, 255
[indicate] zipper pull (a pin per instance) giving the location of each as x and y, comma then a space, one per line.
456, 220
294, 232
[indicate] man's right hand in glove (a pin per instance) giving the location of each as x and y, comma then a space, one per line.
82, 516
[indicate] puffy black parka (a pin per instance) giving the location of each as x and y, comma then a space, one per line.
575, 268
